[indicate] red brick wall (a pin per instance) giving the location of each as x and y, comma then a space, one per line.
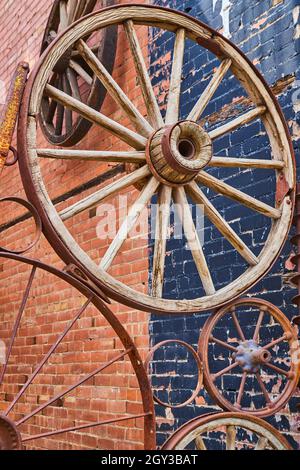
53, 303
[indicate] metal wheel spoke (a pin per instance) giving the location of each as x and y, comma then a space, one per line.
224, 371
263, 388
212, 339
200, 445
261, 443
192, 237
138, 120
132, 217
48, 355
172, 115
276, 341
258, 325
81, 72
73, 387
229, 162
131, 138
85, 426
277, 369
241, 390
110, 190
17, 322
237, 195
161, 236
230, 437
93, 156
221, 224
238, 122
237, 325
209, 92
154, 113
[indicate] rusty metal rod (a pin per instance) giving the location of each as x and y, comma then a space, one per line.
72, 387
263, 388
18, 321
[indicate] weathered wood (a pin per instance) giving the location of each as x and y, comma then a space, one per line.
93, 155
228, 162
192, 237
161, 236
230, 437
71, 76
63, 14
110, 190
262, 443
144, 79
81, 72
200, 445
221, 224
238, 122
72, 4
209, 92
131, 219
237, 195
128, 136
173, 108
138, 120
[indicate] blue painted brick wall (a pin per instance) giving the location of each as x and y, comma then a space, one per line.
268, 33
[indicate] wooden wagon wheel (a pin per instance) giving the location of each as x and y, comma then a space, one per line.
227, 431
27, 391
264, 354
72, 75
174, 156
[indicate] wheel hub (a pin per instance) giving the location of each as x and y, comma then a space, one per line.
251, 356
177, 153
10, 438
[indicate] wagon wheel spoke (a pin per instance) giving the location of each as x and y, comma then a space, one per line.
192, 237
200, 445
68, 112
258, 325
212, 339
209, 92
241, 390
63, 15
72, 5
238, 122
224, 371
237, 195
109, 190
138, 120
279, 370
93, 155
60, 114
284, 337
229, 162
75, 91
172, 115
73, 387
85, 426
230, 437
86, 77
18, 322
81, 8
47, 356
261, 443
221, 224
132, 217
161, 236
154, 113
263, 388
237, 324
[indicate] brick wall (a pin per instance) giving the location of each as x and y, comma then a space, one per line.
268, 32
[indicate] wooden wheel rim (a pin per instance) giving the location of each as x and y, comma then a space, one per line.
106, 53
130, 351
191, 430
292, 339
56, 231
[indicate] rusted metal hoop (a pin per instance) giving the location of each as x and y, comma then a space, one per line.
15, 155
204, 341
199, 366
37, 221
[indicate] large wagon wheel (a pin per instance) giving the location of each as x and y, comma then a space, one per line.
256, 342
230, 431
27, 392
72, 75
174, 155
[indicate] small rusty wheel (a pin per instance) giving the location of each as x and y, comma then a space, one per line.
36, 384
72, 75
230, 431
262, 356
176, 158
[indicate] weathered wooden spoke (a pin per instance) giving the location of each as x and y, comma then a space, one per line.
193, 240
195, 431
238, 122
93, 155
229, 162
161, 236
252, 356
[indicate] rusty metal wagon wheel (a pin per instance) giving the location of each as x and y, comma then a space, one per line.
174, 157
230, 431
27, 392
256, 342
72, 75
